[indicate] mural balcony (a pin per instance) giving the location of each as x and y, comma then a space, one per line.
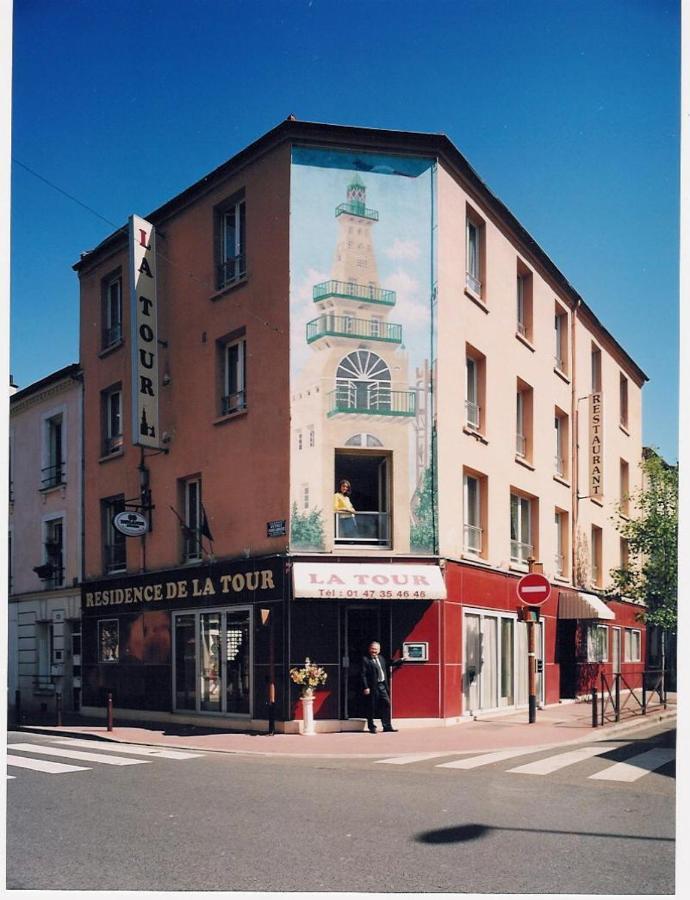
348, 327
357, 209
360, 398
370, 528
348, 290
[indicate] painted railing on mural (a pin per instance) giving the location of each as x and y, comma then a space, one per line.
371, 399
349, 290
350, 327
366, 527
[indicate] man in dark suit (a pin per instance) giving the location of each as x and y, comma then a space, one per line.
375, 688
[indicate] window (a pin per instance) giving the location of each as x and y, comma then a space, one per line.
561, 443
561, 336
597, 643
192, 547
632, 645
232, 263
312, 436
234, 396
597, 573
521, 528
363, 382
475, 389
624, 553
475, 252
523, 421
623, 401
474, 505
53, 474
114, 543
111, 293
624, 488
369, 495
524, 301
561, 541
53, 553
111, 412
596, 369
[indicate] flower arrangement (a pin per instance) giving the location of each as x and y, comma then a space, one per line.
310, 676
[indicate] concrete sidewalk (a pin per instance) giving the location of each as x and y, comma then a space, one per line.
560, 724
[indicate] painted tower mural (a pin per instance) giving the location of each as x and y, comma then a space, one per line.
361, 344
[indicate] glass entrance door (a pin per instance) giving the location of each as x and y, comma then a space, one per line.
491, 661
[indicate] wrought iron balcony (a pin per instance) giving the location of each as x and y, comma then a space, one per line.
192, 546
363, 528
112, 444
348, 327
231, 270
52, 476
232, 403
371, 400
348, 290
357, 209
112, 335
520, 552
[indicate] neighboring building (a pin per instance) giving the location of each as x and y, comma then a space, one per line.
344, 303
45, 536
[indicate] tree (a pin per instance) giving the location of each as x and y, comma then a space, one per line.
424, 512
651, 575
306, 530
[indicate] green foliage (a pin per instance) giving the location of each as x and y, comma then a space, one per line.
306, 530
422, 530
652, 535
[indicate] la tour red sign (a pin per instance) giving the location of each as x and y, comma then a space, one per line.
534, 589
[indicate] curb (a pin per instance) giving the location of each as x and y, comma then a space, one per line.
601, 733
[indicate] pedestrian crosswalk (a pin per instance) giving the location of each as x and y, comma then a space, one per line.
630, 769
75, 751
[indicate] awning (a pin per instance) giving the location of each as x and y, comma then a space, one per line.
578, 605
368, 581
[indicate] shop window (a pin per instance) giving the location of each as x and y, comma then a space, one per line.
474, 514
231, 242
596, 550
114, 543
596, 369
524, 301
523, 421
53, 553
108, 640
523, 528
475, 258
111, 305
53, 471
597, 643
633, 645
561, 339
111, 419
562, 437
362, 514
475, 389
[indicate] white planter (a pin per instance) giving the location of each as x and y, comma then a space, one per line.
308, 713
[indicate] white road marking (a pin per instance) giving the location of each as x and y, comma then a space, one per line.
42, 765
637, 766
411, 758
10, 776
560, 761
160, 753
485, 759
42, 750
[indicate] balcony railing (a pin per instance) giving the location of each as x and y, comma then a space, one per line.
351, 291
363, 528
520, 445
346, 326
371, 400
115, 557
52, 476
357, 209
112, 335
112, 444
472, 414
473, 539
231, 270
520, 552
233, 402
473, 283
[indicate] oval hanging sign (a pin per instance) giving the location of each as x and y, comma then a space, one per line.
131, 524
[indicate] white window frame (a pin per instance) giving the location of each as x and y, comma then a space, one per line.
238, 257
559, 556
523, 531
561, 345
234, 400
472, 516
46, 448
473, 256
624, 401
597, 647
520, 436
112, 442
192, 552
107, 503
630, 653
560, 458
521, 325
596, 362
472, 408
112, 329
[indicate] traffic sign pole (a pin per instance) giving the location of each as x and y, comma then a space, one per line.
534, 591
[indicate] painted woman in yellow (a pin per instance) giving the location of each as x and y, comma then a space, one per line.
345, 511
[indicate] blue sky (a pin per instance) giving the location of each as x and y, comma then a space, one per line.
568, 110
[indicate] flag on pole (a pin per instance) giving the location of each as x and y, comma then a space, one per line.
205, 529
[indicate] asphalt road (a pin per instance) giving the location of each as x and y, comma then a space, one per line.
228, 822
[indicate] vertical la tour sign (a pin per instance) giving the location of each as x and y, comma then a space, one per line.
143, 305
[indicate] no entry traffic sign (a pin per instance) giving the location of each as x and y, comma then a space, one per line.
534, 589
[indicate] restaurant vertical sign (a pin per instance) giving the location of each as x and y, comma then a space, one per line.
596, 431
144, 316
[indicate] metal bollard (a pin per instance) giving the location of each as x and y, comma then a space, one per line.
58, 709
110, 711
618, 698
594, 707
644, 696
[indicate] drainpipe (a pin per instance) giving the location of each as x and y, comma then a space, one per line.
574, 442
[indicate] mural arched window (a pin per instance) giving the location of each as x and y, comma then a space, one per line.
363, 382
